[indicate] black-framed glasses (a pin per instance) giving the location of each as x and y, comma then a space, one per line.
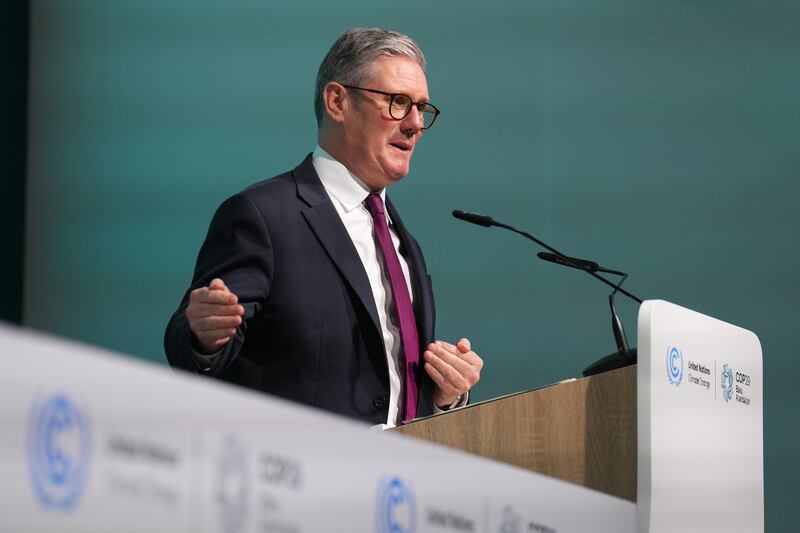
400, 106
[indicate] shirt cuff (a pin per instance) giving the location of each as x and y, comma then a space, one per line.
461, 401
204, 362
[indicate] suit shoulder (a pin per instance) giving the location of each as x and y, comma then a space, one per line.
276, 189
280, 184
274, 196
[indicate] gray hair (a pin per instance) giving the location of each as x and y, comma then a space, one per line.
350, 58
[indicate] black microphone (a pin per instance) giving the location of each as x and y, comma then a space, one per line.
487, 221
553, 258
624, 356
481, 220
591, 265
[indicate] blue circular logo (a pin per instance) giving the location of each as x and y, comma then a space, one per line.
674, 365
396, 509
58, 452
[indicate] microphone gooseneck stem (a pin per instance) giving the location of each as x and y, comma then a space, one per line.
527, 235
616, 324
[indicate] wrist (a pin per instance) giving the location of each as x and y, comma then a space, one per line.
199, 347
445, 402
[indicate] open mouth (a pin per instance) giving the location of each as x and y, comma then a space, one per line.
403, 147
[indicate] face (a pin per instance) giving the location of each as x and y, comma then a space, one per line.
378, 148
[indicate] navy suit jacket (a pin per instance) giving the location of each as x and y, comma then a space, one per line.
311, 331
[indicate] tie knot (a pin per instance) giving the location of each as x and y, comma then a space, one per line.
375, 205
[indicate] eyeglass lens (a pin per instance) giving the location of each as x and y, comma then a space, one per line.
401, 106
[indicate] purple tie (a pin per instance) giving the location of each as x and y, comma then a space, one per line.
402, 303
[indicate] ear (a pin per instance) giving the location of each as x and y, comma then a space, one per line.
334, 97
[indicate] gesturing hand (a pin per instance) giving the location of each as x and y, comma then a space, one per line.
453, 368
214, 314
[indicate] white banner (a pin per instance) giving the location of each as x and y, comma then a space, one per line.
91, 441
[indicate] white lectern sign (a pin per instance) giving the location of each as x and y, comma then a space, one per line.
94, 442
700, 417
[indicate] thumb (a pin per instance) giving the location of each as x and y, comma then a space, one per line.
217, 285
464, 345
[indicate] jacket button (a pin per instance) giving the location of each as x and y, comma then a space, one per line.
381, 402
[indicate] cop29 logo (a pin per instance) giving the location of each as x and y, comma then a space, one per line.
726, 383
396, 511
674, 365
59, 446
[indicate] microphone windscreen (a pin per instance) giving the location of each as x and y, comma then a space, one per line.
481, 220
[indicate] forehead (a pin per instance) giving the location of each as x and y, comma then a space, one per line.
399, 74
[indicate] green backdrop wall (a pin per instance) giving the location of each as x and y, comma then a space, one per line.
655, 137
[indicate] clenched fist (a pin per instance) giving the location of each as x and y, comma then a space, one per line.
214, 314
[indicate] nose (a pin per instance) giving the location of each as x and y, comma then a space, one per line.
413, 122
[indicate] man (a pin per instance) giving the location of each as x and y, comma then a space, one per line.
308, 285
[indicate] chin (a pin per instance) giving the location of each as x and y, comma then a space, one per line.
394, 178
398, 172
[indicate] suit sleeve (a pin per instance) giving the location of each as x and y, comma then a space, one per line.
238, 250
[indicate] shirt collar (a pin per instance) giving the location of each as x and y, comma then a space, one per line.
339, 182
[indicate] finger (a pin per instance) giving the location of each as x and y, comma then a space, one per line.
212, 335
216, 322
448, 371
224, 297
463, 351
197, 311
202, 294
221, 342
217, 337
440, 381
197, 294
200, 310
456, 360
464, 345
217, 284
468, 365
471, 358
447, 346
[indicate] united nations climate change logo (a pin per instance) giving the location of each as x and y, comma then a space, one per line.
511, 521
59, 446
396, 511
674, 365
726, 382
232, 486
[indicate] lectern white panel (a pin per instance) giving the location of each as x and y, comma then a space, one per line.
94, 442
700, 418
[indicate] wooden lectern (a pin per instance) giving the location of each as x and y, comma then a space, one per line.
582, 431
680, 434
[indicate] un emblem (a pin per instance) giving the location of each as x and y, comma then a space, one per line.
674, 365
58, 452
396, 511
511, 521
726, 382
232, 486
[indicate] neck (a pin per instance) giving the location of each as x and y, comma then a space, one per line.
331, 142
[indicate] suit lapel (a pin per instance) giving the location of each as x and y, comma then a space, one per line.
329, 229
